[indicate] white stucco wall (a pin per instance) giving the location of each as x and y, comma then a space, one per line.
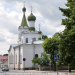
38, 49
31, 23
11, 56
17, 55
30, 36
20, 30
21, 56
4, 64
28, 54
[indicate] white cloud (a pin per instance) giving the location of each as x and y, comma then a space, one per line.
46, 12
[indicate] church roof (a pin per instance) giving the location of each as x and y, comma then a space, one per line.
24, 22
14, 45
3, 59
38, 42
31, 17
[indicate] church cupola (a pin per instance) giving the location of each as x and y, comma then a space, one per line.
24, 22
31, 19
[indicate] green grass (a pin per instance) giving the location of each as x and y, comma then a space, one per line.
37, 69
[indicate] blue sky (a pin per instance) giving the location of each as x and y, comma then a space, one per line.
47, 15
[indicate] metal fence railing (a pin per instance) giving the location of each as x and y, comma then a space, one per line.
34, 74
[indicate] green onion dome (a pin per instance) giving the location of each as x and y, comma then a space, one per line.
31, 17
24, 9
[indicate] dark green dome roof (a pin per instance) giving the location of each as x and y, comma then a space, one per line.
24, 9
31, 17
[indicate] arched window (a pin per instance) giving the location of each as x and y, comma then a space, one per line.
36, 55
26, 40
34, 39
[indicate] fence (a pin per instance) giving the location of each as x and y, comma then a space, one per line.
43, 68
34, 74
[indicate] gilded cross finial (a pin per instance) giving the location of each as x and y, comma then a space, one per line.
39, 27
31, 9
24, 3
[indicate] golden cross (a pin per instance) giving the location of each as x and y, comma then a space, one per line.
39, 27
24, 3
31, 8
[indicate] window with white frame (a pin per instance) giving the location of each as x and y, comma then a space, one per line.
26, 40
34, 39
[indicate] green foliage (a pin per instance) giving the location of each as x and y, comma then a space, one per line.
39, 32
44, 37
31, 29
57, 35
42, 61
49, 46
67, 39
35, 60
5, 54
39, 38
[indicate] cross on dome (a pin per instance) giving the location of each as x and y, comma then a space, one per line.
31, 9
31, 17
24, 3
39, 27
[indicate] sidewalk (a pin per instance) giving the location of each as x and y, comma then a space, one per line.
34, 71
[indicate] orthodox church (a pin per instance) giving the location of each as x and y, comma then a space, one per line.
29, 44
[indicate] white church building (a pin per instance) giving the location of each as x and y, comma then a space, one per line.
29, 44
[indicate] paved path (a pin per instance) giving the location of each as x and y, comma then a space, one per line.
34, 72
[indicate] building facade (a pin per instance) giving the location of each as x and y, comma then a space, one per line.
3, 61
29, 44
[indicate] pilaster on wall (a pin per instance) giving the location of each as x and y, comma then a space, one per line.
14, 58
19, 58
8, 59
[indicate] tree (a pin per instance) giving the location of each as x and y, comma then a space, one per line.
42, 61
5, 54
49, 46
67, 44
44, 37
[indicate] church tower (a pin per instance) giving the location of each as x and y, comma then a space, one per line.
27, 32
31, 19
23, 27
29, 44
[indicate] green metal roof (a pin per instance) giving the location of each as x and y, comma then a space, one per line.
24, 22
31, 17
24, 9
